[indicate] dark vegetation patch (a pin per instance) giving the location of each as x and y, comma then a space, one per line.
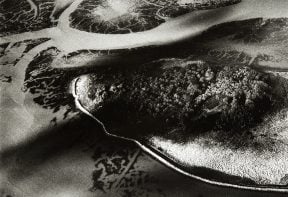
183, 96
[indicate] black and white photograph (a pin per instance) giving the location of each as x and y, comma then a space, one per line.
143, 98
